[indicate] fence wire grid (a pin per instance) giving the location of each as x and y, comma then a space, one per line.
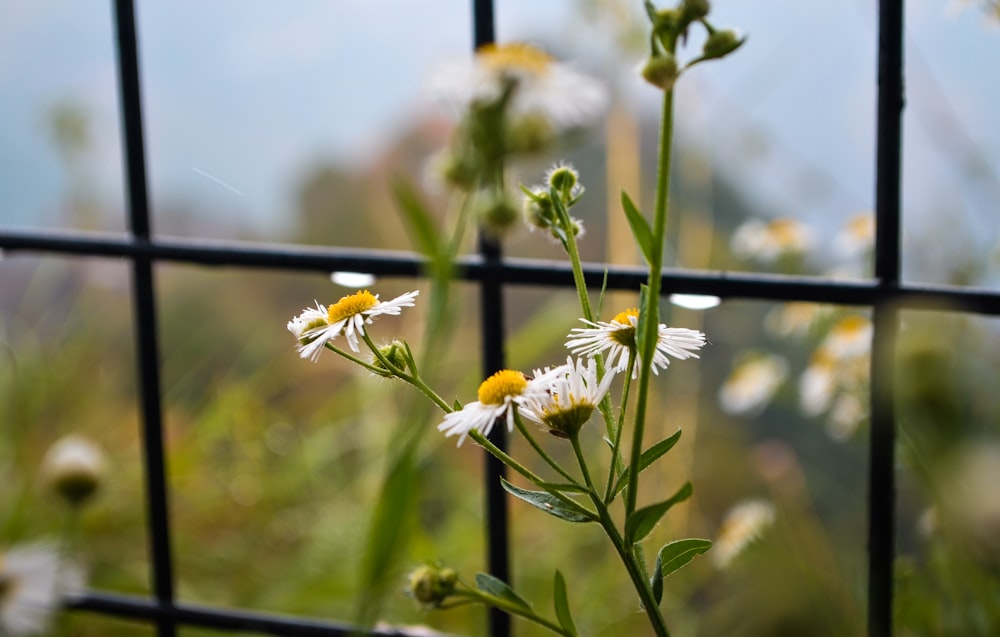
885, 295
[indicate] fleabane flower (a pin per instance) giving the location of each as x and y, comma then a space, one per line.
499, 395
743, 524
74, 468
315, 327
545, 95
571, 399
617, 337
33, 579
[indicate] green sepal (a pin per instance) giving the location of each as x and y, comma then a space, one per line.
550, 503
672, 557
648, 457
561, 602
640, 227
640, 523
498, 588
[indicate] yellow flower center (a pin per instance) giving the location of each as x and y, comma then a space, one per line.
500, 385
626, 334
350, 305
514, 57
850, 326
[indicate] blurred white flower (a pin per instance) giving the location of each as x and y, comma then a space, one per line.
752, 383
768, 241
857, 237
73, 468
743, 524
794, 319
33, 580
846, 415
817, 384
849, 338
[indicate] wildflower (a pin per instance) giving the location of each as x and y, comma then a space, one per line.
73, 469
572, 398
498, 396
752, 383
33, 580
769, 241
617, 337
315, 327
817, 384
543, 94
857, 236
431, 586
794, 319
846, 413
743, 524
849, 338
539, 209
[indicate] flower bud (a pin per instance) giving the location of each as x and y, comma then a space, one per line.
566, 182
496, 213
432, 586
73, 469
661, 71
395, 353
696, 9
721, 43
537, 208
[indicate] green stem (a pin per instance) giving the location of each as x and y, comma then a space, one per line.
512, 608
636, 571
616, 447
416, 381
541, 452
651, 320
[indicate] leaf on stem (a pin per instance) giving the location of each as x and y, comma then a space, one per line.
550, 504
640, 227
648, 457
561, 602
498, 588
673, 556
640, 523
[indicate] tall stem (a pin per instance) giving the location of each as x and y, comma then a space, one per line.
651, 320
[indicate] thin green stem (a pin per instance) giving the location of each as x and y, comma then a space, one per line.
541, 452
651, 320
512, 608
616, 445
401, 374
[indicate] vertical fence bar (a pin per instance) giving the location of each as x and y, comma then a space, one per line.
882, 477
144, 308
491, 305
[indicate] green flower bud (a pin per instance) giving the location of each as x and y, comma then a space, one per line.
661, 71
432, 586
564, 179
395, 353
496, 213
696, 9
537, 208
721, 43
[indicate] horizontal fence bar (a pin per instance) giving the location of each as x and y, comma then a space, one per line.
148, 610
726, 285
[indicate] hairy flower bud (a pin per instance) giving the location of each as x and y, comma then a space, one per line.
431, 586
661, 71
721, 43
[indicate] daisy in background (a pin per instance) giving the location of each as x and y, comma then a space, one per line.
617, 338
74, 468
743, 524
571, 399
771, 240
752, 383
33, 580
498, 396
315, 327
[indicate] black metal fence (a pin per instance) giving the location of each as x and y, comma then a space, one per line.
886, 294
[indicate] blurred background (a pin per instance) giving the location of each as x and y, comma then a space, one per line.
270, 124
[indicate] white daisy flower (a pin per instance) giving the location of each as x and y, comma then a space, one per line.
849, 338
73, 468
752, 384
545, 91
572, 398
768, 241
617, 337
743, 524
33, 580
498, 396
857, 237
315, 327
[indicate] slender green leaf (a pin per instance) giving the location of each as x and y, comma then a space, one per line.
640, 227
561, 602
550, 503
648, 457
498, 588
562, 486
640, 523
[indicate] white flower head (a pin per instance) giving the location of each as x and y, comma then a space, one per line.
617, 337
499, 395
857, 237
849, 338
818, 384
571, 399
752, 384
545, 91
315, 327
33, 580
743, 524
73, 468
768, 241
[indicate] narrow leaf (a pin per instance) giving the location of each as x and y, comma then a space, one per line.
676, 554
561, 487
640, 523
550, 503
498, 588
648, 457
640, 227
561, 602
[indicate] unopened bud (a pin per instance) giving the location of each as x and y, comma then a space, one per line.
696, 9
496, 213
395, 353
432, 586
721, 43
661, 71
73, 469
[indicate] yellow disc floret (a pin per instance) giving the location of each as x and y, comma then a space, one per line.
626, 334
515, 57
500, 385
350, 305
